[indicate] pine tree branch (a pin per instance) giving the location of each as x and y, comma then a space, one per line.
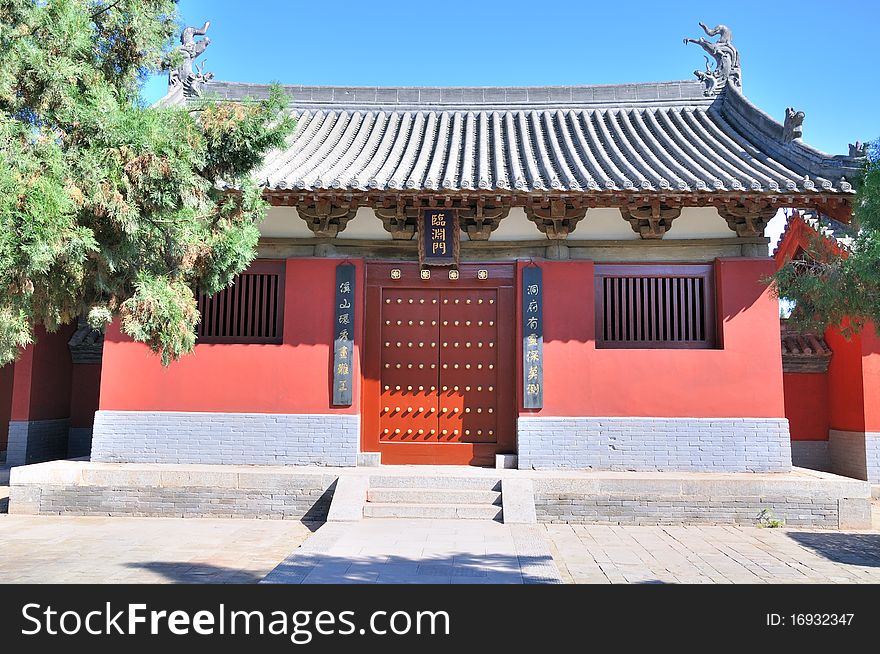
105, 9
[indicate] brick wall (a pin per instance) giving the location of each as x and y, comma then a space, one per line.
637, 509
811, 454
644, 444
79, 442
855, 454
33, 441
301, 498
225, 438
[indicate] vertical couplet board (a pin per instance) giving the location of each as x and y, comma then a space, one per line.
533, 338
343, 334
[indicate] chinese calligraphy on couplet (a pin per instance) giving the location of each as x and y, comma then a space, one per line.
533, 338
343, 334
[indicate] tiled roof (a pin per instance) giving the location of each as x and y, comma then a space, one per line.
838, 232
833, 231
87, 343
804, 352
651, 137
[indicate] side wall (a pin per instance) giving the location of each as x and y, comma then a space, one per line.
854, 400
809, 418
237, 403
40, 404
721, 409
84, 392
7, 375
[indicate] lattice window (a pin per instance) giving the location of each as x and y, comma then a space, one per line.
249, 311
648, 306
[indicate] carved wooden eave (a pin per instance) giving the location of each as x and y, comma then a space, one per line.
325, 217
556, 214
747, 218
555, 218
479, 221
398, 219
650, 221
828, 203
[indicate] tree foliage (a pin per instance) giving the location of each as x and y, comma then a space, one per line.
840, 289
109, 207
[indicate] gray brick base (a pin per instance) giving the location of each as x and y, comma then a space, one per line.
645, 444
36, 440
639, 510
79, 442
855, 454
300, 498
225, 438
811, 454
801, 499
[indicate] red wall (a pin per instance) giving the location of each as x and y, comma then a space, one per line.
854, 380
6, 376
871, 377
41, 388
744, 379
84, 392
293, 377
806, 405
846, 400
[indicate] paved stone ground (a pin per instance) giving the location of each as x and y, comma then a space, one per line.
612, 554
166, 550
48, 549
397, 551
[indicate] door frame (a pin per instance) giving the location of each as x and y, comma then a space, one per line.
502, 277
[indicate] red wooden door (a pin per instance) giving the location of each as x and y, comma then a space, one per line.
439, 367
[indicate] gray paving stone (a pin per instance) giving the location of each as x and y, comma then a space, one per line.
453, 550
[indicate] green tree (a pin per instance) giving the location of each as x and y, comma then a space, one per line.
830, 289
109, 207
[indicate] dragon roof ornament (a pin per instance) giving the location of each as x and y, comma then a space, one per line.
727, 69
188, 77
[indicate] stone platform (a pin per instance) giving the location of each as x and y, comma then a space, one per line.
802, 498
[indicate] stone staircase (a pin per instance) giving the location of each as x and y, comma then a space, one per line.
475, 498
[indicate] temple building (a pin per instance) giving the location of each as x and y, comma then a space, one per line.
541, 277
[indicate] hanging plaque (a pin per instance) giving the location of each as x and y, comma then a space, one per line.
343, 334
438, 238
533, 338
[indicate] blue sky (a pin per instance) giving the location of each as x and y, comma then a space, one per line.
815, 56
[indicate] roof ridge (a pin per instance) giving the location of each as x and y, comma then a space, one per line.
675, 91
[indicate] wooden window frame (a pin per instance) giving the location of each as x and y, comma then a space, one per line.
706, 272
223, 307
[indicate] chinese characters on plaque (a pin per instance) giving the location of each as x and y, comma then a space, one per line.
438, 238
343, 334
533, 338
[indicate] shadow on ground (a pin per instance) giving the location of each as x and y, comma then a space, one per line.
308, 568
178, 572
852, 549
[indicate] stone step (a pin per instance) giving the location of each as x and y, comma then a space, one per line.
437, 481
432, 496
433, 511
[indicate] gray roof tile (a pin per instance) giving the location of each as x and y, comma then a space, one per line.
654, 136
